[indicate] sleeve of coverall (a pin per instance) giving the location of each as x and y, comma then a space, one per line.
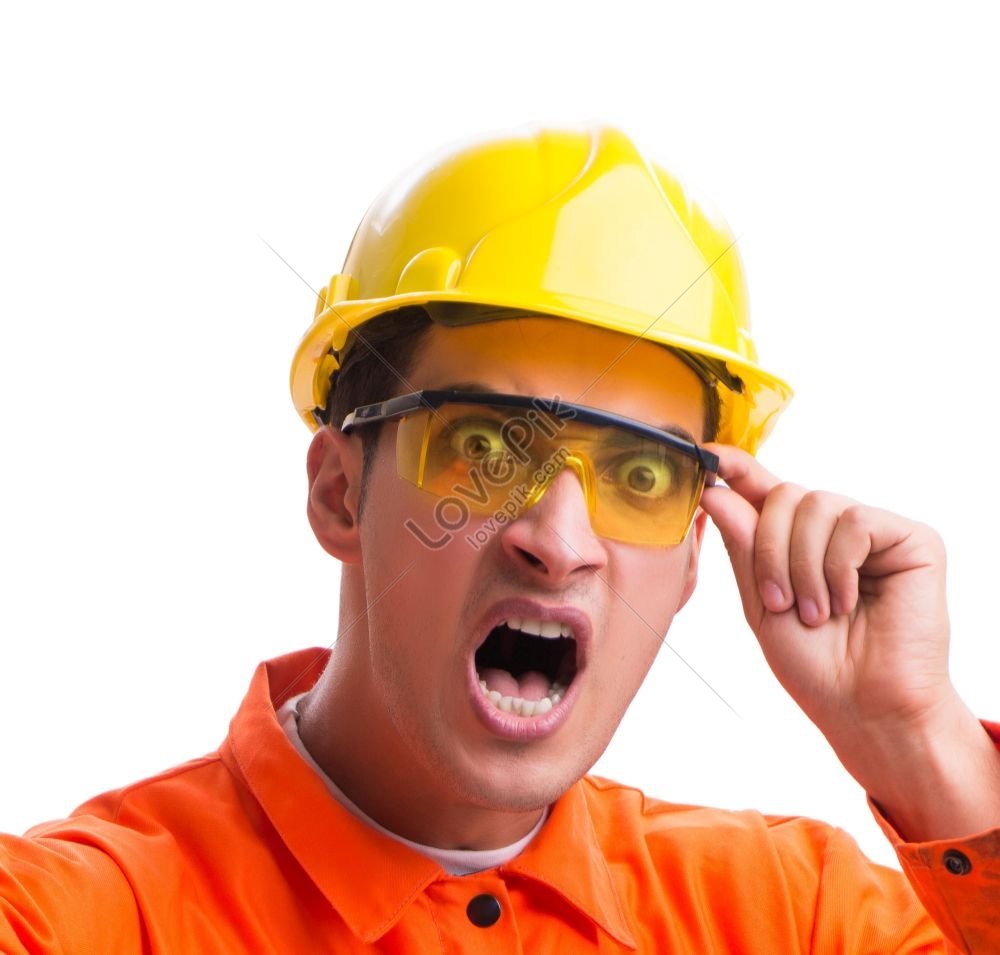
62, 896
957, 880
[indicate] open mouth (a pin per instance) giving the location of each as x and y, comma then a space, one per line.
525, 666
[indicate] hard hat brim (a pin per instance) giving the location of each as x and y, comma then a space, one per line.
745, 423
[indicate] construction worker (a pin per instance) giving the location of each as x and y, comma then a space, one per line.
531, 386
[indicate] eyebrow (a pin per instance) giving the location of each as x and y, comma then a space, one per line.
673, 429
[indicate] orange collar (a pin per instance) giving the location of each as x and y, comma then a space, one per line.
369, 878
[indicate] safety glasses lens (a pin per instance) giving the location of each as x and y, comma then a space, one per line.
494, 458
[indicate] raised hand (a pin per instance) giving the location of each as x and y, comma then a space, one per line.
848, 605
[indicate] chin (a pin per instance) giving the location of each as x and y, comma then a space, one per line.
519, 786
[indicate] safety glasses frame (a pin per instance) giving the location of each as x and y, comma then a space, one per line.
394, 408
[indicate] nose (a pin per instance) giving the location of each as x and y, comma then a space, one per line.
553, 538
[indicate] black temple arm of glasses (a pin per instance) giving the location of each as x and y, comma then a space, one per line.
385, 410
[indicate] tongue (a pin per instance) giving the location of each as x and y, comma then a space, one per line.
532, 685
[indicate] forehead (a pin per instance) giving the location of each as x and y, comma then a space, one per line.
579, 363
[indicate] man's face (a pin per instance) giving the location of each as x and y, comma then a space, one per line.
619, 598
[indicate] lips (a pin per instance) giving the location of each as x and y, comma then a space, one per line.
527, 694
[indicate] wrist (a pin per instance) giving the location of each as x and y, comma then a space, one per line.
934, 777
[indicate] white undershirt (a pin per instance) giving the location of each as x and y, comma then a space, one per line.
453, 861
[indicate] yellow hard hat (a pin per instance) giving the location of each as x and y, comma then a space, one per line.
572, 223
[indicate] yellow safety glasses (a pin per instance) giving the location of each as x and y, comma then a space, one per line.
499, 453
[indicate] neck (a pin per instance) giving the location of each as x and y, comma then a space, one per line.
350, 734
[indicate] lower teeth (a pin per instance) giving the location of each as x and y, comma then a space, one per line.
521, 707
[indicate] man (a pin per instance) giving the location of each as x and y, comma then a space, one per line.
524, 384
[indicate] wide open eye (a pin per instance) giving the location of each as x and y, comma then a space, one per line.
475, 438
642, 477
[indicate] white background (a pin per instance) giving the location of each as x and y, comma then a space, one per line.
154, 546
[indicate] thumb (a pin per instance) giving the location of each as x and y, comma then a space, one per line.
736, 518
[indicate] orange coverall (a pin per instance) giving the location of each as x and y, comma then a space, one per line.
244, 850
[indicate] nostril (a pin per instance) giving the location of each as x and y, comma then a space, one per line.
529, 557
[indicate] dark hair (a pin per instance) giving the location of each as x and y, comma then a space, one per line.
380, 356
375, 366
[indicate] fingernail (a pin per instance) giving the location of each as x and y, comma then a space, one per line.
808, 610
772, 596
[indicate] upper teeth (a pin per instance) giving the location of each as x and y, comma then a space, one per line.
540, 628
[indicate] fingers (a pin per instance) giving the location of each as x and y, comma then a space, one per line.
784, 541
807, 550
743, 473
850, 545
772, 559
737, 522
822, 564
802, 560
736, 519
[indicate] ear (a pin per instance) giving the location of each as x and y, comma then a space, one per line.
695, 536
334, 468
